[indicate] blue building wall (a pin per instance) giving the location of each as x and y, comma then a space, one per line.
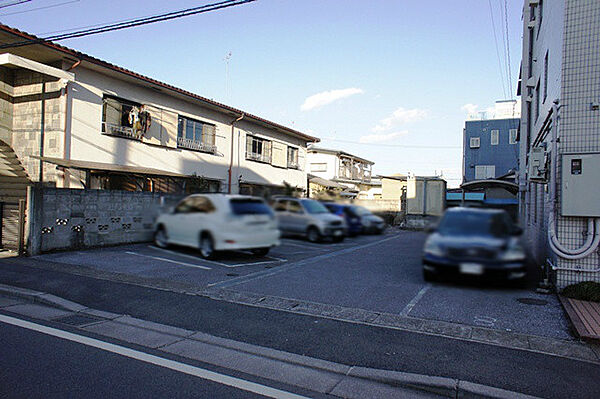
503, 156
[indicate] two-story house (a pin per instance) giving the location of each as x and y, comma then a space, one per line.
343, 168
72, 120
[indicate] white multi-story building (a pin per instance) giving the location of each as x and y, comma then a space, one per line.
72, 120
559, 165
346, 169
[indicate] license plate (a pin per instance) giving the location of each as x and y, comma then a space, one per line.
337, 233
471, 268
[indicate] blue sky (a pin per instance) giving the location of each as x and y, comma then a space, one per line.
369, 77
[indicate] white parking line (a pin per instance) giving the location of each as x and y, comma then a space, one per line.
305, 245
219, 378
415, 300
169, 260
219, 263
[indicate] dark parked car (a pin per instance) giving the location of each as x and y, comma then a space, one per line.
370, 223
476, 242
347, 212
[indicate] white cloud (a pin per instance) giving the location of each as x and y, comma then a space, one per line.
327, 97
378, 138
399, 116
470, 108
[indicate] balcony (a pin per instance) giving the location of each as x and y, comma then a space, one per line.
258, 157
127, 132
190, 144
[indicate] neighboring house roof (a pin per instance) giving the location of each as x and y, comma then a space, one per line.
338, 152
79, 56
109, 167
324, 182
488, 183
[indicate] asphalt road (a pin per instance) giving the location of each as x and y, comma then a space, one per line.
347, 343
36, 365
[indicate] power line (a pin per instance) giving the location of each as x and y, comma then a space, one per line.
134, 22
497, 50
39, 8
14, 3
395, 145
508, 48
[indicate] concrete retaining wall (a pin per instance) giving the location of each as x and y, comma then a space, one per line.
63, 219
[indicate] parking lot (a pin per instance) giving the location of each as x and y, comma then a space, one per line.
375, 272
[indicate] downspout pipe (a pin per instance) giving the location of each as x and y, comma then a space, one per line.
231, 153
42, 127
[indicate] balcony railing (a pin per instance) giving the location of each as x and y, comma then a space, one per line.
111, 129
190, 144
293, 165
258, 157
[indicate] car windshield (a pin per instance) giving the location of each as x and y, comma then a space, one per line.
314, 207
249, 206
361, 211
474, 224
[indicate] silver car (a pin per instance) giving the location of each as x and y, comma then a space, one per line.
310, 218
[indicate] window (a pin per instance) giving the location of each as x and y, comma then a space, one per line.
494, 137
485, 171
318, 167
512, 136
295, 207
120, 118
474, 142
196, 135
258, 149
292, 158
545, 74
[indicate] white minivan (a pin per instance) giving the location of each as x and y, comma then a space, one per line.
219, 222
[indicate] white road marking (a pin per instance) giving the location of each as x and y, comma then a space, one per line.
216, 263
186, 256
484, 321
415, 300
169, 260
306, 245
155, 360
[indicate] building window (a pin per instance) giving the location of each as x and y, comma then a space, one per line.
474, 142
318, 167
494, 137
545, 75
258, 149
196, 135
537, 100
485, 172
292, 158
530, 54
512, 136
121, 118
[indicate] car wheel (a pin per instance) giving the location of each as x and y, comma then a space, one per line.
161, 239
429, 276
260, 251
207, 247
313, 234
338, 239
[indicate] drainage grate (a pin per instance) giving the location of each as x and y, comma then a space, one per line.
532, 301
77, 320
232, 274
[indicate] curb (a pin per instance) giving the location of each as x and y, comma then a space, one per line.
444, 386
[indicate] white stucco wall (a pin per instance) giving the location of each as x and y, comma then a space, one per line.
330, 160
88, 144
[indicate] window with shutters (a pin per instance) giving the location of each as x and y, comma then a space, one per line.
196, 135
474, 142
258, 149
292, 158
485, 171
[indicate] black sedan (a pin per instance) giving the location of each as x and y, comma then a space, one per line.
471, 241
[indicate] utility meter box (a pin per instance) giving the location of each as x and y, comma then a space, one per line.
537, 164
580, 185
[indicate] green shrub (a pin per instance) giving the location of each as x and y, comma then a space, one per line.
585, 291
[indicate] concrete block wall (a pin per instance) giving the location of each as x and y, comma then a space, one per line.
26, 122
6, 107
64, 219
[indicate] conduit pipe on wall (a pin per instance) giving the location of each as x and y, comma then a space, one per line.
231, 153
593, 231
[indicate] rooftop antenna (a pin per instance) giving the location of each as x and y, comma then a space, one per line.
226, 59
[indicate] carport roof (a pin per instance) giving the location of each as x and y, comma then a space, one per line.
109, 167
